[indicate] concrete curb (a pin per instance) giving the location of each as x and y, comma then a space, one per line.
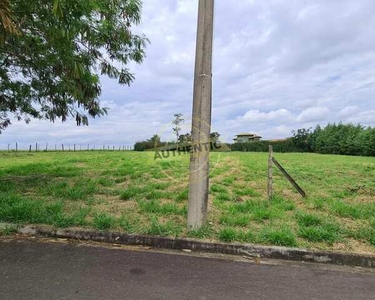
292, 254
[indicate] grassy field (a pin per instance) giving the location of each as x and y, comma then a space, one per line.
133, 193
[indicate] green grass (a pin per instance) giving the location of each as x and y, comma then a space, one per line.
129, 193
328, 233
183, 196
235, 220
365, 233
216, 188
158, 228
223, 196
315, 228
308, 220
202, 233
246, 192
283, 236
227, 234
155, 207
132, 192
104, 221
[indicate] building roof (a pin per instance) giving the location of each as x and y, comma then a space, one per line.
247, 134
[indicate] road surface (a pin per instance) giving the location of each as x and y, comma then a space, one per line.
51, 269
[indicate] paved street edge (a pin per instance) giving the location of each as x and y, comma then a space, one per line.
250, 250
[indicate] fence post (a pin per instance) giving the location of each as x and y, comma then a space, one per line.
62, 147
36, 147
46, 147
30, 148
16, 147
270, 172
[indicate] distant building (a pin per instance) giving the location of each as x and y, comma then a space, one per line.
246, 138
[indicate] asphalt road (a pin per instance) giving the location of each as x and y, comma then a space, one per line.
35, 269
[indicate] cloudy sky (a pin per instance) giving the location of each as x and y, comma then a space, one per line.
279, 65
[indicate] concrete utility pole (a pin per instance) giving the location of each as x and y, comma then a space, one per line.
270, 172
201, 123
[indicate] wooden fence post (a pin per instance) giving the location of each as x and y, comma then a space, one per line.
270, 172
36, 147
30, 148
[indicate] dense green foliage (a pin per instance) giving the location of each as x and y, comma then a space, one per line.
282, 146
152, 143
344, 139
52, 53
148, 145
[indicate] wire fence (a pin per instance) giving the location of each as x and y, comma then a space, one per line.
46, 147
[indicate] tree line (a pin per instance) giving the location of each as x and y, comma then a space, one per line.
155, 141
343, 139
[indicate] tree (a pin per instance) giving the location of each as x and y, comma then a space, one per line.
152, 143
177, 121
214, 136
185, 138
155, 140
300, 139
53, 51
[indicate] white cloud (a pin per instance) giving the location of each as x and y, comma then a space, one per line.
316, 114
348, 111
255, 116
364, 117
